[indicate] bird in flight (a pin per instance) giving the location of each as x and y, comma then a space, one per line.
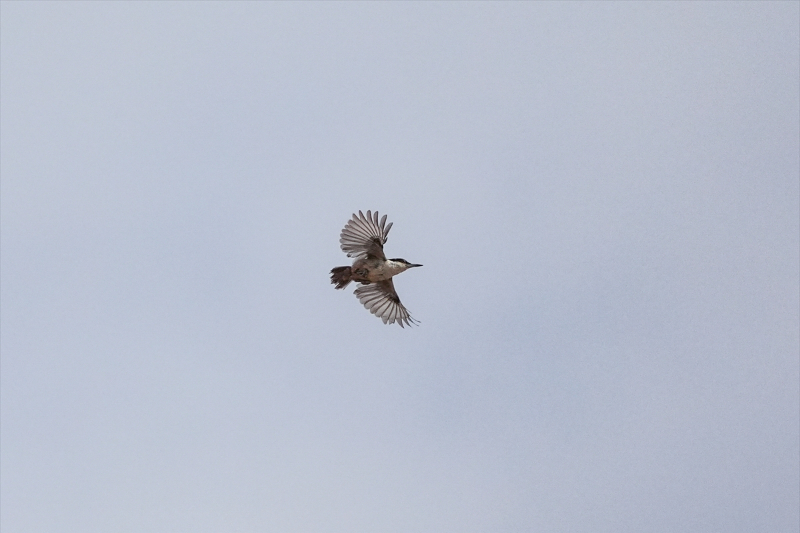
362, 239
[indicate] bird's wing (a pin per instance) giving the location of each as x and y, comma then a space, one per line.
364, 236
382, 301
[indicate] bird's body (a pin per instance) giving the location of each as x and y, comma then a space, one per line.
363, 238
374, 269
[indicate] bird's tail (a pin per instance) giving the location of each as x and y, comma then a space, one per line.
341, 276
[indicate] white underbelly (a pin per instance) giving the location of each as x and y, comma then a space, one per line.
383, 271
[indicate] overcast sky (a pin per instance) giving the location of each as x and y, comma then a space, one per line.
604, 197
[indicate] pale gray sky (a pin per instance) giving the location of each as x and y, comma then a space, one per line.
604, 196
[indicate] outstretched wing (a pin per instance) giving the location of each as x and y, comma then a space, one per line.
364, 236
382, 301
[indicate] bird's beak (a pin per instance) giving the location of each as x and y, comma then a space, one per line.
409, 266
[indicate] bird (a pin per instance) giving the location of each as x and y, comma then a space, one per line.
362, 238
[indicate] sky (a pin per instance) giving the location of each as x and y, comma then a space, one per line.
605, 198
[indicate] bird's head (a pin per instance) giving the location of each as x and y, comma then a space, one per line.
404, 263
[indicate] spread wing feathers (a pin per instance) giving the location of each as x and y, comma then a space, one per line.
364, 236
382, 301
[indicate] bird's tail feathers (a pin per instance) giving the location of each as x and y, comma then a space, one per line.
341, 276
